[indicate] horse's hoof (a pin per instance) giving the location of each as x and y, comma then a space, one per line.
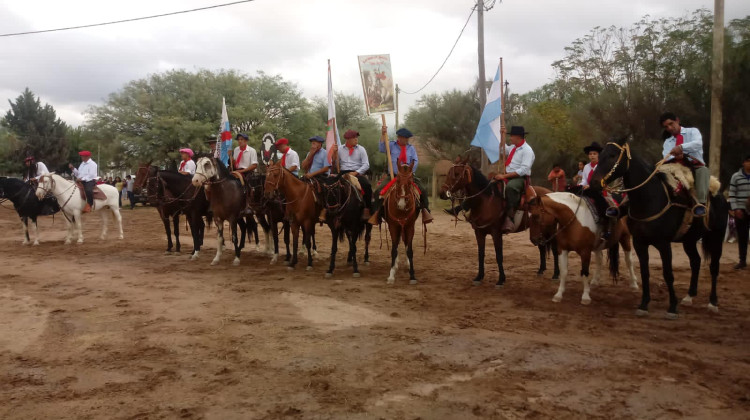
634, 286
557, 299
102, 237
671, 316
329, 275
367, 263
556, 277
476, 283
287, 263
499, 285
236, 262
390, 280
79, 241
539, 273
356, 275
687, 301
713, 308
309, 268
25, 243
214, 262
290, 268
36, 243
120, 237
594, 283
67, 242
167, 252
258, 248
413, 281
586, 301
641, 313
314, 253
193, 257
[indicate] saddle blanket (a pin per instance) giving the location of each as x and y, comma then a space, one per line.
393, 181
680, 176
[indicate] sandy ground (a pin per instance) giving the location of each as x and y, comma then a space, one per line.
116, 329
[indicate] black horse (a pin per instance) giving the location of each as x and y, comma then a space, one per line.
270, 212
344, 208
26, 204
656, 217
176, 194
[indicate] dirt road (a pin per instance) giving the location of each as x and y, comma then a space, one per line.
116, 329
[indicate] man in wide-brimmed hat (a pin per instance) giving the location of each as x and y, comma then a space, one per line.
402, 153
520, 158
87, 173
187, 166
604, 202
244, 160
353, 159
592, 151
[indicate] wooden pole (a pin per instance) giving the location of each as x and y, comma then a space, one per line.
717, 85
482, 78
384, 139
502, 119
396, 127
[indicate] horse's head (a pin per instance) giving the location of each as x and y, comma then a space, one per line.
541, 222
205, 170
142, 175
614, 162
46, 184
457, 178
274, 174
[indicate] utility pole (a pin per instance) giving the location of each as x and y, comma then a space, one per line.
396, 127
482, 78
717, 85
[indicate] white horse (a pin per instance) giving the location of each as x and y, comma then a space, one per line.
68, 195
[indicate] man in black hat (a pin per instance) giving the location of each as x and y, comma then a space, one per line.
244, 160
517, 172
402, 153
605, 204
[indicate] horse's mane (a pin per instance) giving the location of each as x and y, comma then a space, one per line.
480, 180
222, 169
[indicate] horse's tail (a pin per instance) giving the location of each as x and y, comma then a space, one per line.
613, 255
713, 239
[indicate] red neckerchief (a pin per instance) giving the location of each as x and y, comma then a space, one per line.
513, 152
237, 162
679, 139
593, 166
351, 149
402, 156
182, 165
283, 158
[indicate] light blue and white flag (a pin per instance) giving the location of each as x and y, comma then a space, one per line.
488, 131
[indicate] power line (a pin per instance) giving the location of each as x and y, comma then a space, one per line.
446, 58
127, 20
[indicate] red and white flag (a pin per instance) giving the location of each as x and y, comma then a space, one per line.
332, 135
224, 141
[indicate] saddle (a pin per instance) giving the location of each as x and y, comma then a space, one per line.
98, 194
680, 180
239, 176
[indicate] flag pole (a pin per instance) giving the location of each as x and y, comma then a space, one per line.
384, 139
502, 120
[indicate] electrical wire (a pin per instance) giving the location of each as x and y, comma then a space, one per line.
127, 20
446, 58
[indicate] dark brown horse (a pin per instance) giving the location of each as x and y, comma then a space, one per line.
270, 212
486, 205
227, 198
401, 205
301, 208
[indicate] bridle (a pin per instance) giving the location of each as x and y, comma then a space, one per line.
410, 210
625, 151
282, 173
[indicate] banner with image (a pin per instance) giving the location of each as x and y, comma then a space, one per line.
377, 83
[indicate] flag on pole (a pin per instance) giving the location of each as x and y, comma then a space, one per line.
224, 140
488, 131
332, 133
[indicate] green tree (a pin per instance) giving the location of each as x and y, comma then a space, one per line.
35, 130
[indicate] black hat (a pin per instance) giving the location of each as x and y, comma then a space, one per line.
517, 130
316, 138
593, 147
403, 132
243, 135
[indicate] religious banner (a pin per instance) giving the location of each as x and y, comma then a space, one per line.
377, 83
268, 149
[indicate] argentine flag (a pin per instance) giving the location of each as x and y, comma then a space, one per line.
488, 130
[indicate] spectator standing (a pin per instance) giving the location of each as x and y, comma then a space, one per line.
557, 178
739, 199
129, 188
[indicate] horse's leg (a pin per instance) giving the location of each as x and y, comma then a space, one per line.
563, 276
219, 240
25, 226
334, 249
395, 230
542, 260
480, 234
69, 232
287, 227
176, 224
627, 249
598, 259
409, 242
665, 250
78, 226
714, 243
307, 236
555, 256
314, 245
105, 222
235, 241
275, 235
196, 231
641, 250
168, 230
243, 232
118, 220
368, 234
295, 238
497, 239
585, 265
36, 231
695, 267
353, 250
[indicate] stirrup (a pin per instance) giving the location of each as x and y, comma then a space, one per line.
612, 212
699, 210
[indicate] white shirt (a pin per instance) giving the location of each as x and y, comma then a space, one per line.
86, 171
41, 169
522, 159
292, 159
249, 157
189, 166
586, 171
692, 144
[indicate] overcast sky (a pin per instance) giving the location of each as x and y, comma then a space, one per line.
74, 69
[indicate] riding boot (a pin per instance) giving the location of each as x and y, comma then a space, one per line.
426, 216
87, 209
375, 219
508, 225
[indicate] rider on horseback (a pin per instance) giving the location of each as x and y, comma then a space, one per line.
685, 147
187, 166
87, 173
316, 166
518, 170
34, 169
402, 153
603, 201
245, 159
353, 159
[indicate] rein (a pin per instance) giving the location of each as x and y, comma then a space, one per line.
545, 241
623, 150
278, 182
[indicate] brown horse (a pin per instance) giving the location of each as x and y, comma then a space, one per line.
227, 198
301, 208
486, 205
401, 204
575, 229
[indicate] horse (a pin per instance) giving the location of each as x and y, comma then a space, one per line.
487, 212
227, 200
27, 205
344, 207
73, 203
300, 207
578, 231
401, 205
146, 176
270, 212
657, 218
